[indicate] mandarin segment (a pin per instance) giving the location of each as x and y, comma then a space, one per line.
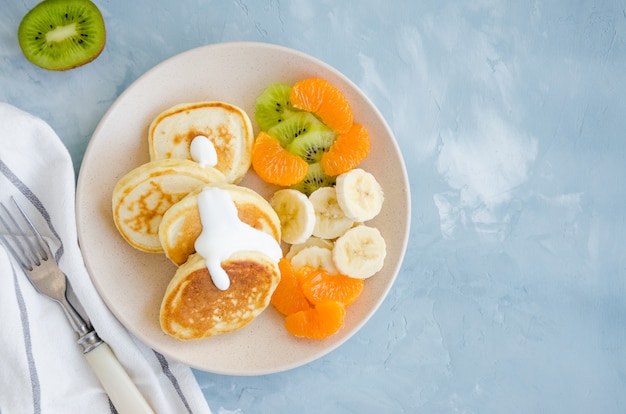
320, 286
274, 164
288, 297
317, 323
325, 100
347, 151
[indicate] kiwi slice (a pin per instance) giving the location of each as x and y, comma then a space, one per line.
273, 106
297, 126
311, 145
314, 179
62, 34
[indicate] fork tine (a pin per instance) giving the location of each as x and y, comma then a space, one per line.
17, 238
20, 257
42, 247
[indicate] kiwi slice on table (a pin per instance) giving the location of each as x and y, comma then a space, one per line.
62, 34
298, 126
314, 179
273, 106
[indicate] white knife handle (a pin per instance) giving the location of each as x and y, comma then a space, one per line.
121, 390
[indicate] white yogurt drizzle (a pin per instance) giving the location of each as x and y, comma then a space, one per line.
203, 151
224, 234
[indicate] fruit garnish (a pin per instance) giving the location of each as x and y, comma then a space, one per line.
300, 125
360, 252
313, 120
310, 242
320, 322
320, 286
325, 100
288, 297
348, 150
314, 179
313, 301
359, 195
324, 270
296, 215
315, 257
274, 164
330, 220
62, 34
273, 106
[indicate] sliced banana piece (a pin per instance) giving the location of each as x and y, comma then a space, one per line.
315, 257
296, 214
359, 195
330, 220
311, 241
360, 252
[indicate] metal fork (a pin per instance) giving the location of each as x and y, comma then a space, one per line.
34, 257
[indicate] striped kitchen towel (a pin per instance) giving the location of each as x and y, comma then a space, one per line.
43, 370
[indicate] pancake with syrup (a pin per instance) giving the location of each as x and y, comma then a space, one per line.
181, 225
194, 308
142, 196
226, 126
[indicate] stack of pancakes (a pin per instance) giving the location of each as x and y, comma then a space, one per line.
155, 209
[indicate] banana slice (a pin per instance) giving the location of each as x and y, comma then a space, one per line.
330, 220
359, 195
311, 241
316, 257
360, 252
296, 214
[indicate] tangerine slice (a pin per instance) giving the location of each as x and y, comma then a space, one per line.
288, 298
325, 100
274, 164
317, 323
319, 286
347, 151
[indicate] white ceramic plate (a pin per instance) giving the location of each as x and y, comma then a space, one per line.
132, 283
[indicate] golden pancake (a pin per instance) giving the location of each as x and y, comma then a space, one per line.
193, 308
181, 225
143, 195
226, 126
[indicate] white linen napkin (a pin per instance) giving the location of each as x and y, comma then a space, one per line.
43, 369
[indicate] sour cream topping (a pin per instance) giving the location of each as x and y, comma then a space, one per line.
224, 234
203, 151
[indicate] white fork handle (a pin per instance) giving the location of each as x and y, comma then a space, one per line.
121, 390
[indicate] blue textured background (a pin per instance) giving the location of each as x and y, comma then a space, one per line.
512, 119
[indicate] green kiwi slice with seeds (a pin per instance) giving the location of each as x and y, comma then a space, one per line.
273, 106
314, 179
312, 145
298, 126
62, 34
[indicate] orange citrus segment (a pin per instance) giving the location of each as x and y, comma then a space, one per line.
347, 151
288, 298
319, 286
317, 323
274, 164
324, 100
